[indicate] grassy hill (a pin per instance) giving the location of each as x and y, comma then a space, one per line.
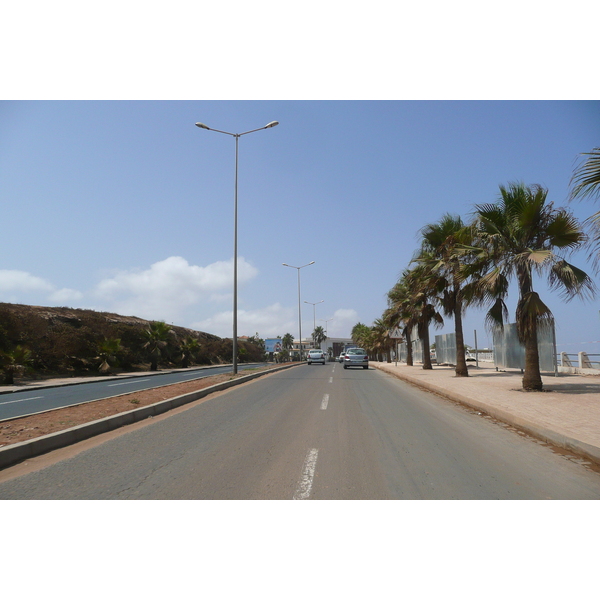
65, 341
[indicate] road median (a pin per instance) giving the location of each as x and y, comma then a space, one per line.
15, 453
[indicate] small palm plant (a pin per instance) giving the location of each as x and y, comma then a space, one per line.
157, 336
15, 362
189, 347
108, 349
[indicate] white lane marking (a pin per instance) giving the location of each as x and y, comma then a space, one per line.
324, 402
127, 382
22, 400
331, 380
308, 473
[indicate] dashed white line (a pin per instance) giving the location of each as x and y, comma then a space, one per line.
127, 382
331, 380
308, 473
22, 400
325, 402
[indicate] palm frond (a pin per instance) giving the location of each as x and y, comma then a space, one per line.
532, 315
585, 181
571, 281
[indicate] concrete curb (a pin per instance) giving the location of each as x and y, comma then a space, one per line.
544, 434
15, 453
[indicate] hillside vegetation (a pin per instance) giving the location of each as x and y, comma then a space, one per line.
69, 341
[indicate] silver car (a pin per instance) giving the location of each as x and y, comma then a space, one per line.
316, 356
356, 357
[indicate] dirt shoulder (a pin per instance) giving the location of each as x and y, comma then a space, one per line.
27, 428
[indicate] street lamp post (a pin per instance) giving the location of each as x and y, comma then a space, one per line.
314, 312
299, 311
237, 137
326, 321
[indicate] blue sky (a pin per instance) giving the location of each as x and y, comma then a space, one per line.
126, 206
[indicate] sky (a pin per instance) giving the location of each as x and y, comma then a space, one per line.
126, 206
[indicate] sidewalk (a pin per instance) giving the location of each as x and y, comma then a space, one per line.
566, 414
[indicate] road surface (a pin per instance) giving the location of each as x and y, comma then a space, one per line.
35, 400
312, 432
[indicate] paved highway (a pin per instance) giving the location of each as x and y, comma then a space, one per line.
312, 432
35, 400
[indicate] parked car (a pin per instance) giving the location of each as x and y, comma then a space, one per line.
316, 356
356, 357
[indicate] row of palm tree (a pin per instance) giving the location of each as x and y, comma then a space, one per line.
459, 264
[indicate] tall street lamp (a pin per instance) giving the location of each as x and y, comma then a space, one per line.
237, 137
299, 311
314, 312
326, 321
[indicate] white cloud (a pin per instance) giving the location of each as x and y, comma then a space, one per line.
65, 295
270, 321
344, 319
169, 287
20, 281
22, 287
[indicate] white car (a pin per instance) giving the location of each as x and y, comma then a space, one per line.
316, 356
341, 357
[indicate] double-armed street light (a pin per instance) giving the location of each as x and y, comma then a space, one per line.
314, 312
299, 310
237, 137
326, 321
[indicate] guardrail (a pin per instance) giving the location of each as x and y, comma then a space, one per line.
581, 360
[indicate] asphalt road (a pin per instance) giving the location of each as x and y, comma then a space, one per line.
311, 432
35, 400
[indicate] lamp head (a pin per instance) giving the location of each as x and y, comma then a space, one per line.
272, 124
202, 126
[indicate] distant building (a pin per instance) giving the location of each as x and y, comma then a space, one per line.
333, 346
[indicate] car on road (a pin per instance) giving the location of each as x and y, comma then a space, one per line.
356, 357
316, 356
341, 357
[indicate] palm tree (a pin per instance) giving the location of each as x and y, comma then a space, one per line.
15, 362
360, 334
318, 335
422, 298
156, 336
108, 350
287, 341
400, 314
442, 260
380, 335
585, 182
189, 347
520, 236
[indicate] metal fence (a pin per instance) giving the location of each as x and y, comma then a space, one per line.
445, 348
510, 354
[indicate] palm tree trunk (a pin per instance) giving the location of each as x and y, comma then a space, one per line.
409, 350
461, 360
426, 351
532, 378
